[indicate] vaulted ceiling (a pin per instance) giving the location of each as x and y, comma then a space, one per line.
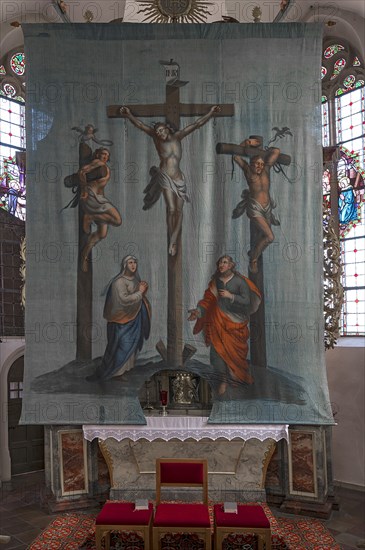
344, 19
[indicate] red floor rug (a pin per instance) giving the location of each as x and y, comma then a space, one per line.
77, 532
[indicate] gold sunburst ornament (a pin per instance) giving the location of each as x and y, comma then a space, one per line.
174, 11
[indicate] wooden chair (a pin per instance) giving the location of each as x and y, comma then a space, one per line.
122, 516
181, 518
249, 519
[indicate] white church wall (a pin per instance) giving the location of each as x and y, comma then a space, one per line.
346, 380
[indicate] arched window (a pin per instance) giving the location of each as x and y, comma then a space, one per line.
343, 123
12, 133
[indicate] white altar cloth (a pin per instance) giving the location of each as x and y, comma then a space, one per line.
186, 427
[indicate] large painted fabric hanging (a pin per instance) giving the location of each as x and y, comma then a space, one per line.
174, 220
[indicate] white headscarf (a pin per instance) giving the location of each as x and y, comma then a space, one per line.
124, 266
123, 269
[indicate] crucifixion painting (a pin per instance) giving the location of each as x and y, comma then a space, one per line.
232, 301
147, 193
169, 180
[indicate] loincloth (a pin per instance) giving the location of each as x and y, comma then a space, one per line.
95, 204
254, 209
160, 181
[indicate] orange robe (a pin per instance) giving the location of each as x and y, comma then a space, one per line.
229, 338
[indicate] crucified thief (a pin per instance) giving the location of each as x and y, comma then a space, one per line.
256, 199
96, 208
168, 179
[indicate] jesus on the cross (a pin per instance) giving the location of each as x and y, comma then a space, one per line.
168, 179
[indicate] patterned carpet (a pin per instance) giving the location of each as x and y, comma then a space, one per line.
76, 532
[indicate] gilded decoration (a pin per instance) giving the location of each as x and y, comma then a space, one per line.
170, 11
333, 289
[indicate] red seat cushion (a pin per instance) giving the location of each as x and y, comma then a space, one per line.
182, 515
247, 516
123, 513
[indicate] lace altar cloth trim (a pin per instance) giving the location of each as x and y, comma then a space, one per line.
185, 427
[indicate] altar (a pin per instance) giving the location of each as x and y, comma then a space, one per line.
237, 455
286, 466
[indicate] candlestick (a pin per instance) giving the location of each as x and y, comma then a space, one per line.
163, 400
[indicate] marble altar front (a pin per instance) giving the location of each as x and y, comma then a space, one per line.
238, 455
297, 477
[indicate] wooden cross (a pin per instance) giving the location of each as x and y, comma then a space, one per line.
172, 110
257, 321
84, 278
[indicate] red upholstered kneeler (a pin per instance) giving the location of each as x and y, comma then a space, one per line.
177, 517
249, 519
122, 516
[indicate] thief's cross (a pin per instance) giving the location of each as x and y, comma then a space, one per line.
257, 174
174, 356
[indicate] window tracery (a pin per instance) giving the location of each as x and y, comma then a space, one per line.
343, 125
12, 74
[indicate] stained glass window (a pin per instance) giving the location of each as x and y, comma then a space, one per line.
13, 189
353, 260
349, 81
337, 67
323, 72
12, 74
325, 128
9, 90
326, 184
350, 122
350, 130
350, 86
12, 139
350, 177
343, 125
17, 63
332, 50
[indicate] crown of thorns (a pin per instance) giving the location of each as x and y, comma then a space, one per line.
155, 125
